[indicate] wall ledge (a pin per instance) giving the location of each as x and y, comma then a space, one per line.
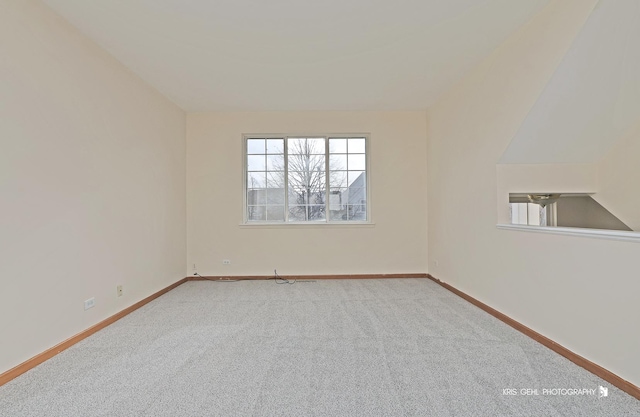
575, 231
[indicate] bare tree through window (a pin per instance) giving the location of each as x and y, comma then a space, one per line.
290, 179
307, 178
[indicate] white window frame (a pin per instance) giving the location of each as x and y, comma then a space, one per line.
327, 221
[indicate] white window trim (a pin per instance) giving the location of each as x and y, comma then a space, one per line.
619, 235
306, 224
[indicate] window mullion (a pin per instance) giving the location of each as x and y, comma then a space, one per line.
286, 179
327, 185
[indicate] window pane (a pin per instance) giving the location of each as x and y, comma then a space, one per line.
337, 146
307, 146
296, 145
306, 178
275, 213
275, 162
256, 163
357, 145
275, 179
337, 162
317, 146
297, 213
306, 162
275, 196
358, 162
275, 146
256, 180
355, 196
298, 181
297, 196
310, 182
338, 179
319, 196
256, 213
306, 196
338, 215
311, 212
255, 146
337, 199
357, 179
316, 212
357, 212
256, 196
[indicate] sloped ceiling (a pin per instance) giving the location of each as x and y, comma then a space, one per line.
594, 96
223, 55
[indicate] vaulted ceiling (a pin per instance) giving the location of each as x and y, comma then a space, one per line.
593, 98
255, 55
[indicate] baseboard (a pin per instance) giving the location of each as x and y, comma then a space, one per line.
305, 277
595, 369
49, 353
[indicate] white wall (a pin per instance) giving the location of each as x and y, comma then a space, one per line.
92, 183
566, 124
580, 292
397, 243
618, 179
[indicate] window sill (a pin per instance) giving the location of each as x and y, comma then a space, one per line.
575, 231
307, 225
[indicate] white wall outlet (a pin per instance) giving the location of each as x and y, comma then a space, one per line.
226, 262
119, 290
436, 262
90, 303
194, 267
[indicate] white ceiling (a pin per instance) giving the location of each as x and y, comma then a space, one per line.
257, 55
593, 97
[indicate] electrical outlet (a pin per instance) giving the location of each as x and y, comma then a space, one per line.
194, 267
119, 290
226, 262
90, 303
436, 262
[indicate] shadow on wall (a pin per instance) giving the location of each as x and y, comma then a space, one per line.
585, 212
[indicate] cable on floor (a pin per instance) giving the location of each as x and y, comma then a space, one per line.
217, 280
279, 280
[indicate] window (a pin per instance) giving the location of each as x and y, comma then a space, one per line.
301, 179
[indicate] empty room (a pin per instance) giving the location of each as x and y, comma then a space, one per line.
337, 208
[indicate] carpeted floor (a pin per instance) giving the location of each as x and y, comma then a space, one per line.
395, 347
